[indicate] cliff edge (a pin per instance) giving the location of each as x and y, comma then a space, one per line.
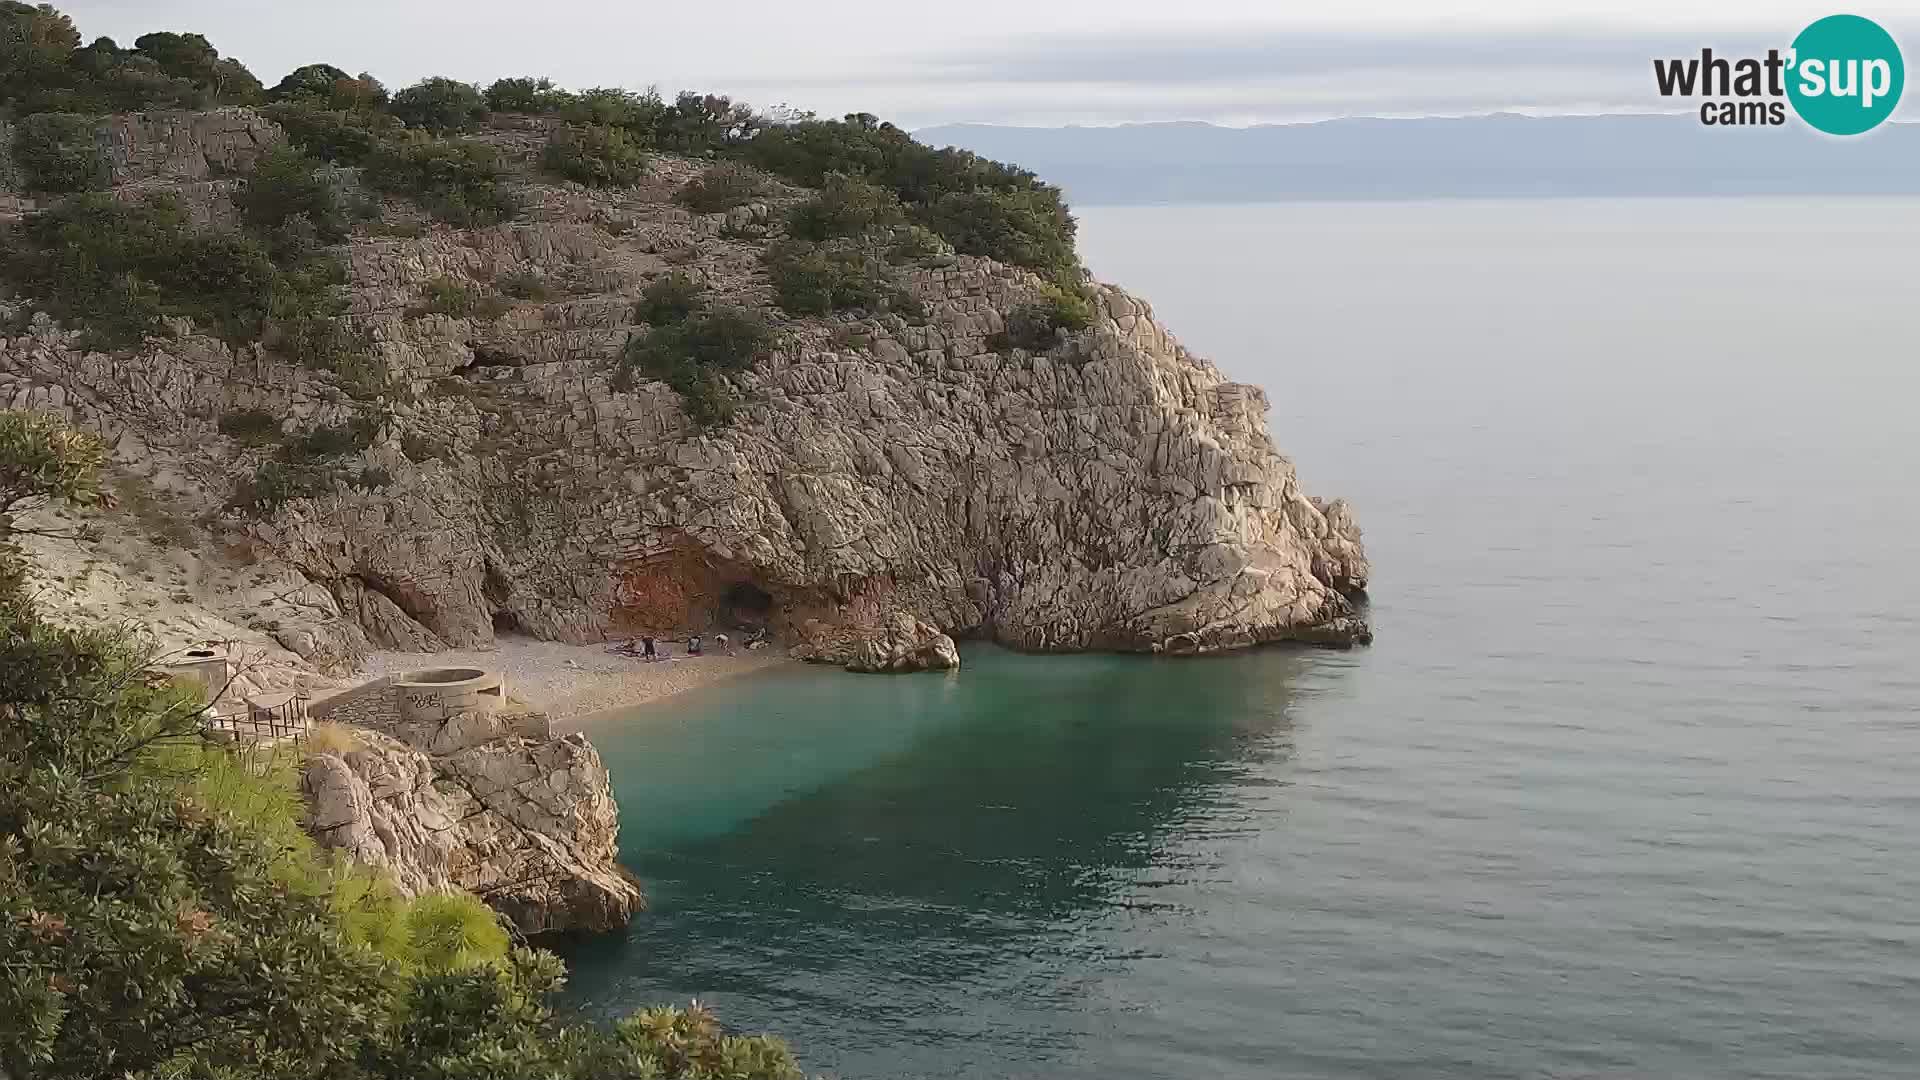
1107, 489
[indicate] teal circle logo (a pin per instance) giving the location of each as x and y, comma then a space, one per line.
1845, 76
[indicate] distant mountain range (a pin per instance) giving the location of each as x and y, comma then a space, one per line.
1502, 155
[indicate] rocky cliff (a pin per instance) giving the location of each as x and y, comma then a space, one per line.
522, 820
1115, 492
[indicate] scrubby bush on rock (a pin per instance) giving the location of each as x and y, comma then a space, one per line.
122, 267
1038, 326
813, 279
252, 426
286, 185
670, 299
461, 183
721, 188
343, 137
525, 95
598, 157
845, 206
693, 355
440, 105
44, 68
981, 207
56, 152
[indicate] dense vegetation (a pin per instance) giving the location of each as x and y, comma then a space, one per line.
884, 199
693, 349
163, 913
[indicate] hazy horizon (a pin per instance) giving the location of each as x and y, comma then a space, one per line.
1231, 62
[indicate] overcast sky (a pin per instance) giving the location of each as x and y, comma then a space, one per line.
1014, 61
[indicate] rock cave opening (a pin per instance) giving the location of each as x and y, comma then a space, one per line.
506, 622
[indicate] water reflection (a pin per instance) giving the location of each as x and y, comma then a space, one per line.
886, 842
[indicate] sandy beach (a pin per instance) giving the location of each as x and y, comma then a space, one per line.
572, 682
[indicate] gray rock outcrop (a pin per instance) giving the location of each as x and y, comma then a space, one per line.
527, 824
1115, 492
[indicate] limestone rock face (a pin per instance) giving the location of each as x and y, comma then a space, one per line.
1113, 492
173, 145
528, 825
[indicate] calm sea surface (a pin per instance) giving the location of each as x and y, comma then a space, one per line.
1629, 786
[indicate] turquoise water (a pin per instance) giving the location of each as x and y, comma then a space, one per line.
1625, 789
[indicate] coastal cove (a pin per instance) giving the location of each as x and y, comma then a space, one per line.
1622, 789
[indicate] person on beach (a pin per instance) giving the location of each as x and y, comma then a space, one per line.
693, 645
721, 640
647, 644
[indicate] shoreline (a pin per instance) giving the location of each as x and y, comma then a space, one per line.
571, 683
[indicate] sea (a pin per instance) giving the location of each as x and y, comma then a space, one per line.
1627, 786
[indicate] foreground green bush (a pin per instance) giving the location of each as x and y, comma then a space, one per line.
163, 914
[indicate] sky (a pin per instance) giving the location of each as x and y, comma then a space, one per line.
1020, 61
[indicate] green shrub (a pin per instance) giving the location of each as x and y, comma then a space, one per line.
440, 105
721, 188
445, 296
1038, 326
598, 157
1029, 228
420, 448
528, 284
813, 279
608, 107
339, 136
310, 82
57, 152
285, 185
726, 339
845, 207
460, 183
981, 207
121, 267
251, 426
917, 244
334, 440
525, 95
694, 355
275, 483
670, 299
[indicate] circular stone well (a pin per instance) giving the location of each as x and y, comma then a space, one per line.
438, 693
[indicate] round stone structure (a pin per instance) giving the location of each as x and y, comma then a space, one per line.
438, 693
